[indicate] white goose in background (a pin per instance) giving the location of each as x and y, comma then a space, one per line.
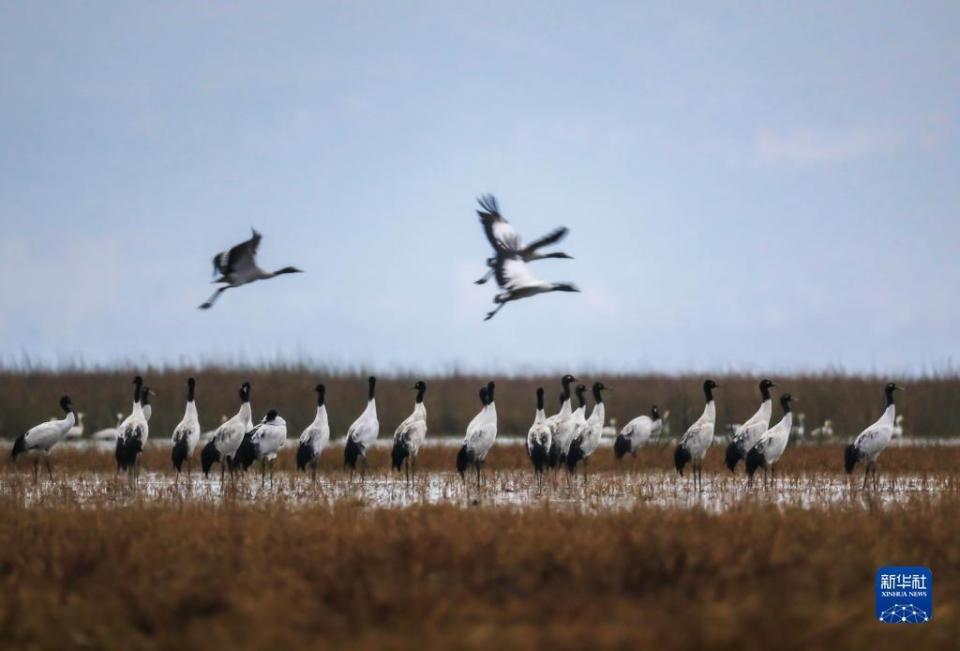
76, 431
238, 266
108, 434
363, 432
799, 429
747, 434
41, 438
588, 435
767, 451
637, 432
480, 436
561, 425
502, 236
411, 434
228, 437
873, 440
315, 437
186, 434
824, 431
538, 441
516, 282
133, 433
263, 443
697, 439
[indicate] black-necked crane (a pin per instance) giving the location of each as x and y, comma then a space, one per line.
187, 433
411, 434
873, 440
480, 436
228, 437
637, 432
363, 432
133, 433
238, 266
768, 449
697, 439
503, 237
263, 443
561, 424
315, 437
40, 439
538, 441
588, 435
747, 434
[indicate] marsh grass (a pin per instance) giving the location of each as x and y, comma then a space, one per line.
29, 396
260, 574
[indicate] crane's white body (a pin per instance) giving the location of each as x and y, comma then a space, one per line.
481, 433
591, 430
229, 435
540, 432
317, 434
747, 434
269, 437
188, 429
875, 439
42, 437
76, 431
639, 430
365, 430
699, 436
412, 432
774, 441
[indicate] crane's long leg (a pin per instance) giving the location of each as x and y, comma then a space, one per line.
484, 278
36, 469
490, 315
866, 473
213, 297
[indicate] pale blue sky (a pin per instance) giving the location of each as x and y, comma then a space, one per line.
771, 186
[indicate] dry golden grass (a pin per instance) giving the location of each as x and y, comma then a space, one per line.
184, 574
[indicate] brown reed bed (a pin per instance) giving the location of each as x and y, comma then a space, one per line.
29, 396
255, 575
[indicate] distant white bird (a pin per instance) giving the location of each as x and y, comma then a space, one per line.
480, 436
503, 237
108, 433
746, 435
411, 434
516, 282
538, 440
696, 440
561, 425
315, 437
228, 437
824, 431
769, 448
873, 440
186, 435
610, 429
897, 426
588, 435
263, 443
41, 438
637, 432
799, 429
133, 433
76, 431
363, 432
238, 266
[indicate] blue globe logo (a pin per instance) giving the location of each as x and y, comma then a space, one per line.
903, 614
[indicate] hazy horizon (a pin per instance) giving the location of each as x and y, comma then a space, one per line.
765, 189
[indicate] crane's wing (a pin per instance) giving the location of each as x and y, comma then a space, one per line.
500, 233
242, 256
550, 238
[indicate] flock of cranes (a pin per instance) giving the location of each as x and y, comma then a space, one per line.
567, 439
238, 266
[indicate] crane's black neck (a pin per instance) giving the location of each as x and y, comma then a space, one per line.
245, 393
654, 413
321, 394
191, 386
540, 399
137, 386
490, 388
422, 389
785, 403
708, 393
889, 392
597, 395
765, 390
483, 396
372, 383
580, 391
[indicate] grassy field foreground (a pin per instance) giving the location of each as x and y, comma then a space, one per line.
264, 574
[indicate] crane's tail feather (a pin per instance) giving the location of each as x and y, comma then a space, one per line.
755, 460
733, 456
681, 457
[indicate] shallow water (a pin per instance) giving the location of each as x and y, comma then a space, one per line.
508, 489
